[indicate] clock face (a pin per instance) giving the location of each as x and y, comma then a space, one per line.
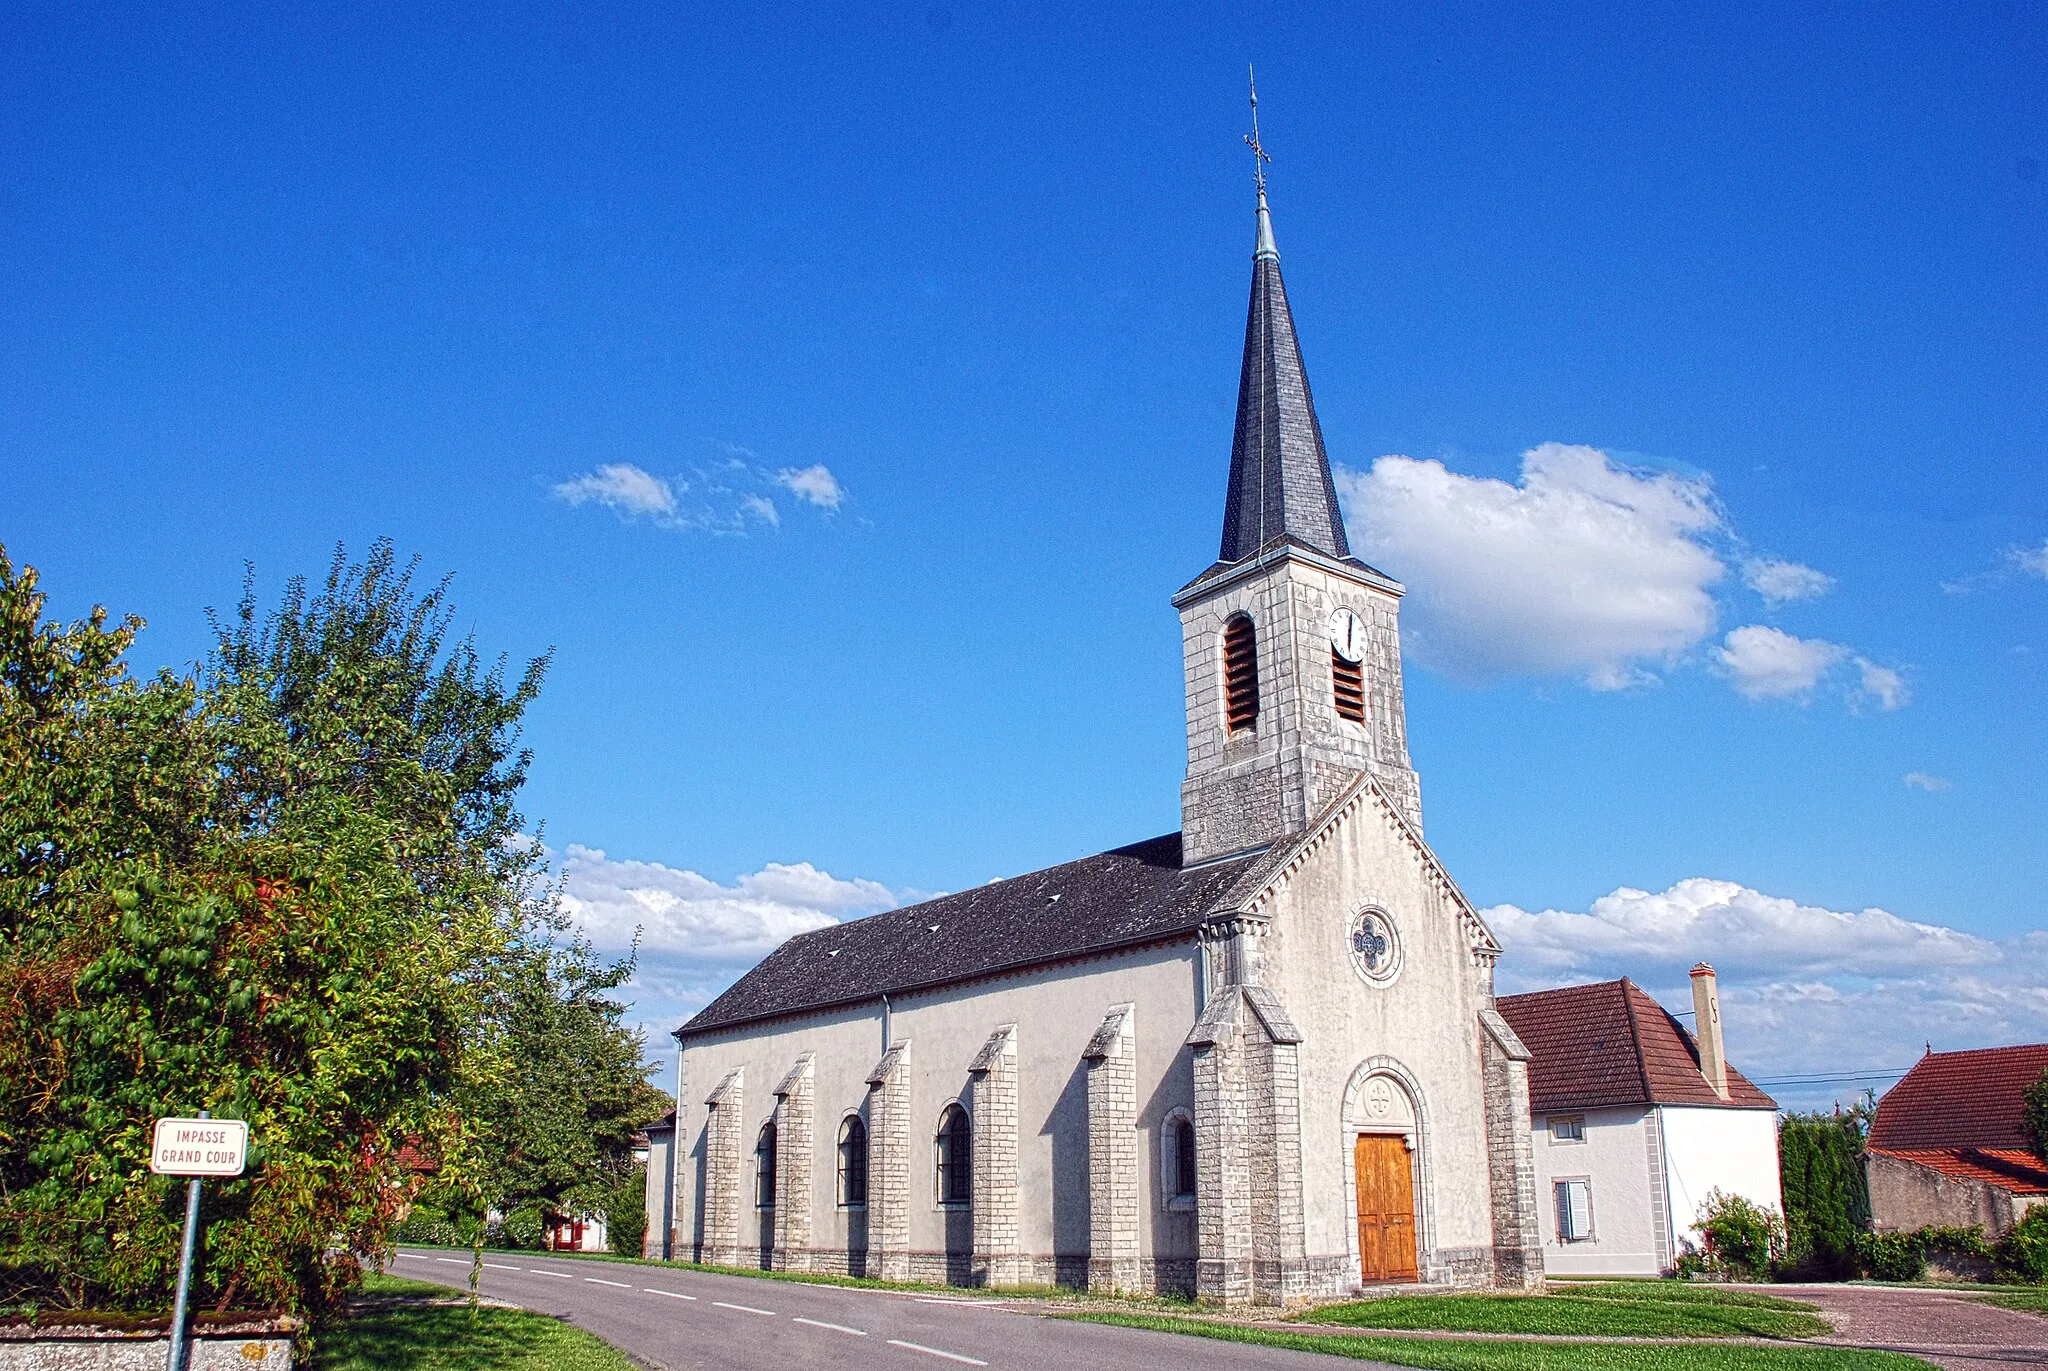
1347, 635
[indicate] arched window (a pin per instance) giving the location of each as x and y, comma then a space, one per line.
1241, 674
1348, 680
1183, 1158
764, 1167
853, 1162
955, 1149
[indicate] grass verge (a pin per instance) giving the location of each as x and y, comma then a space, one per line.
2026, 1301
1633, 1309
1440, 1354
401, 1325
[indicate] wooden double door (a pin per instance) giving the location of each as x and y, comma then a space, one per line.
1386, 1208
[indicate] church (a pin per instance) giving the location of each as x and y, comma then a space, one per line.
1254, 1061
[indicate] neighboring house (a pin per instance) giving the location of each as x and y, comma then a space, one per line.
575, 1233
1634, 1123
1947, 1146
661, 1187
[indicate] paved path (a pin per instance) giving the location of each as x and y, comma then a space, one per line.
671, 1319
1946, 1327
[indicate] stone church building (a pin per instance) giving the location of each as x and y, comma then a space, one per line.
1255, 1060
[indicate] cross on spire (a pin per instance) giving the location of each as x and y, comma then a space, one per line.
1259, 157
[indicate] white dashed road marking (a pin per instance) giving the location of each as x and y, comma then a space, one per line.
616, 1285
744, 1308
936, 1352
452, 1261
670, 1293
559, 1275
835, 1327
500, 1266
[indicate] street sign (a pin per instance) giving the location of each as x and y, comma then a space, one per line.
199, 1147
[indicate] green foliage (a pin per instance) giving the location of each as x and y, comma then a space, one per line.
1827, 1196
2034, 1115
625, 1214
292, 889
1893, 1256
2022, 1254
1744, 1241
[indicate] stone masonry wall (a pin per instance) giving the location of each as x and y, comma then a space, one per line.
794, 1160
1113, 1153
995, 1159
1511, 1162
721, 1225
889, 1166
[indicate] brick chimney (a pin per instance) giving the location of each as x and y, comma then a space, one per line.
1706, 1028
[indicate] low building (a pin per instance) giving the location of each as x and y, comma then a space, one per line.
1634, 1121
1948, 1148
661, 1187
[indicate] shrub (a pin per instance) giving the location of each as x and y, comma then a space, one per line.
1893, 1256
524, 1228
625, 1214
1744, 1241
2022, 1255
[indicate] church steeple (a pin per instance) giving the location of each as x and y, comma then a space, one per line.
1292, 645
1280, 482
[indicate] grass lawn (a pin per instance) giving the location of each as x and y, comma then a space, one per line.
1621, 1309
2034, 1301
1445, 1355
397, 1328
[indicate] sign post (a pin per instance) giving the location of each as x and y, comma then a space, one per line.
204, 1146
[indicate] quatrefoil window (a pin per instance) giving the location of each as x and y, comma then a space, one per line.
1375, 947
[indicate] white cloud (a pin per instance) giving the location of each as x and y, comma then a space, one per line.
813, 484
762, 508
621, 487
1769, 664
1921, 780
1781, 582
1586, 568
1804, 989
683, 912
2033, 561
1883, 684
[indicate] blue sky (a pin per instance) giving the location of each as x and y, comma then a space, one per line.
1771, 283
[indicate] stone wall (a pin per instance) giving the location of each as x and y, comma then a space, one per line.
1905, 1195
225, 1344
994, 1070
795, 1158
889, 1166
1111, 1056
719, 1239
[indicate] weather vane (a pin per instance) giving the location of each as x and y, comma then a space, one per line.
1259, 157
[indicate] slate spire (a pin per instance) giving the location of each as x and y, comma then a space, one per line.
1279, 476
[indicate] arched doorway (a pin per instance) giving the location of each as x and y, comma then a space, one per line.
1383, 1126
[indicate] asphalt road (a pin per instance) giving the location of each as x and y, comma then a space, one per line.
673, 1319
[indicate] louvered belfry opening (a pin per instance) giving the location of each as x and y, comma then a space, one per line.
1241, 674
1348, 678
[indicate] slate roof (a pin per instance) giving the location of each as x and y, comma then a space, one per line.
1126, 896
1279, 474
2010, 1168
1959, 1099
1596, 1045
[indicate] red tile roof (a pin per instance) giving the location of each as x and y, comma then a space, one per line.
1610, 1043
2012, 1168
1959, 1099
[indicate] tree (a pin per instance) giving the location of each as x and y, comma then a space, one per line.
1827, 1196
2034, 1115
289, 888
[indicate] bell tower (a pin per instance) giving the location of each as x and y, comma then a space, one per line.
1292, 645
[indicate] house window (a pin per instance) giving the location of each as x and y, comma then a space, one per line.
954, 1147
1348, 680
764, 1167
853, 1163
1567, 1128
1241, 674
1183, 1135
1574, 1211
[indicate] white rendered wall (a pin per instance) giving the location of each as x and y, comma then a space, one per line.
1056, 1010
1619, 1163
1735, 1150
